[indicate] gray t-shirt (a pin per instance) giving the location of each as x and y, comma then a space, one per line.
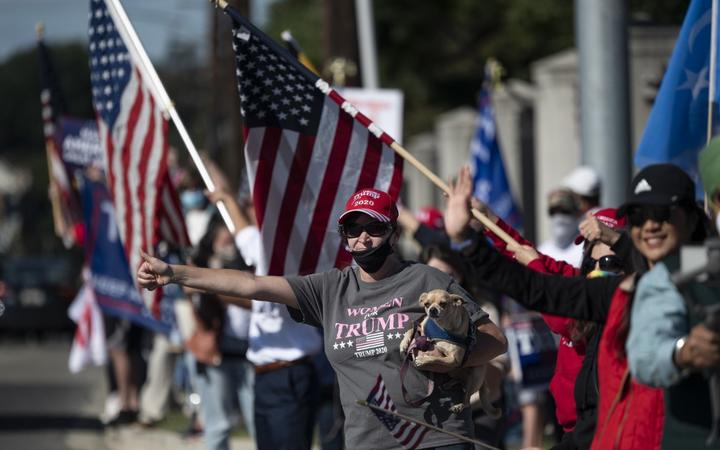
364, 324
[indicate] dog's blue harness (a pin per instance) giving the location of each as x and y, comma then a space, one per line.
433, 331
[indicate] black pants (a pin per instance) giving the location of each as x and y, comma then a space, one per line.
285, 402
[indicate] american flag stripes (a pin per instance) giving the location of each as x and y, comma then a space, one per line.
307, 150
133, 133
68, 225
409, 435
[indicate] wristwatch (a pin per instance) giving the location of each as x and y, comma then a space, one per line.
679, 344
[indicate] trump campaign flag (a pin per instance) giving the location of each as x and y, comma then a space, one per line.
678, 124
486, 163
133, 134
110, 279
307, 150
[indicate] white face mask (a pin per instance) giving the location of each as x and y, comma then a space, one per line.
564, 229
717, 222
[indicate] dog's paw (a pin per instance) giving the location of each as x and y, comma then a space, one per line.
421, 361
457, 408
404, 345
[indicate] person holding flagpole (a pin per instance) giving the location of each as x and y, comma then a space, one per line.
364, 311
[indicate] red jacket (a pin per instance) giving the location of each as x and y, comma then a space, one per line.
630, 415
569, 357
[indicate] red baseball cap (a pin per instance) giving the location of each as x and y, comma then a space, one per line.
609, 217
431, 216
376, 204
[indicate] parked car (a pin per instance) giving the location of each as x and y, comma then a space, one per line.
37, 293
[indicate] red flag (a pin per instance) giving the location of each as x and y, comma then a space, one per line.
133, 133
307, 150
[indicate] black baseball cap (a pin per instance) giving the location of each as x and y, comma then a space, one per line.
660, 185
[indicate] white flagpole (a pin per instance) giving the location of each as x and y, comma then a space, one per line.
713, 66
150, 76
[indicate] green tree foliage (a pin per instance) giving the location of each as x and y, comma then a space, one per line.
435, 50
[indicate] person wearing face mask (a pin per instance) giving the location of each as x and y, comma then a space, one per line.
669, 346
606, 252
364, 312
630, 415
564, 215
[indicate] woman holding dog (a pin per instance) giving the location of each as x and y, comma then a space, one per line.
364, 313
662, 215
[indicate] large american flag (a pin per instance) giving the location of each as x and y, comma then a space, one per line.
307, 150
408, 434
133, 133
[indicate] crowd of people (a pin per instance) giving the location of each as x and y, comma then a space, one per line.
635, 358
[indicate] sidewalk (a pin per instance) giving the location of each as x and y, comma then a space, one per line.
136, 438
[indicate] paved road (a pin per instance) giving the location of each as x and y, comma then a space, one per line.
44, 407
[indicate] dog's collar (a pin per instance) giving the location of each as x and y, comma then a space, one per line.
435, 332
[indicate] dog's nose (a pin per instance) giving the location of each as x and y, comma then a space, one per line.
433, 312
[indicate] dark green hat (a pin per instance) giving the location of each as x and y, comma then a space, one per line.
709, 165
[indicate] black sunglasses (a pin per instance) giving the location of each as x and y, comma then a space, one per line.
374, 229
639, 215
608, 263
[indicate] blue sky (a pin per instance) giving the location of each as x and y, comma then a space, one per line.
158, 22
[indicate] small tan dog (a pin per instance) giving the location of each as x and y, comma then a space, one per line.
446, 326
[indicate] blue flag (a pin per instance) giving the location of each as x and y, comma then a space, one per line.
677, 127
111, 280
489, 178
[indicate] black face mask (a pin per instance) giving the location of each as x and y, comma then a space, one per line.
371, 260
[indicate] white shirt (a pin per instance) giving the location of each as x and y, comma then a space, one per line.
274, 335
572, 254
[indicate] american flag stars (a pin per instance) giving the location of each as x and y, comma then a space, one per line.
273, 93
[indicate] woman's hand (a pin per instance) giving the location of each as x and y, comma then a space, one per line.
523, 254
594, 230
457, 212
153, 272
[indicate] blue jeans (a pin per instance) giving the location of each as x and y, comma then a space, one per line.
218, 388
285, 403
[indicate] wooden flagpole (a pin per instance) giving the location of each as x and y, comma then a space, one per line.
425, 424
140, 57
487, 223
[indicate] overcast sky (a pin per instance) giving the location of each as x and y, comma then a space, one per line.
158, 22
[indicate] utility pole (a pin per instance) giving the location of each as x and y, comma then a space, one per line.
601, 30
224, 141
340, 47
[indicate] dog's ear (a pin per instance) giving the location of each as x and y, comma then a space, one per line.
423, 297
457, 300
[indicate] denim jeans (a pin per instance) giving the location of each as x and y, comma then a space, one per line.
218, 388
285, 407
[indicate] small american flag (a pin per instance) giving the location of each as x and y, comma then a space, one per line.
133, 133
409, 435
307, 150
371, 340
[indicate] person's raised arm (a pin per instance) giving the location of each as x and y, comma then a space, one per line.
154, 273
571, 297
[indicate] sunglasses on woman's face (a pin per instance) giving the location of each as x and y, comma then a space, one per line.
639, 215
374, 229
608, 263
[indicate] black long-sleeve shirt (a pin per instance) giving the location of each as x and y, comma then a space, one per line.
575, 297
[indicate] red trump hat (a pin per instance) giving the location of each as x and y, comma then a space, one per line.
376, 204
